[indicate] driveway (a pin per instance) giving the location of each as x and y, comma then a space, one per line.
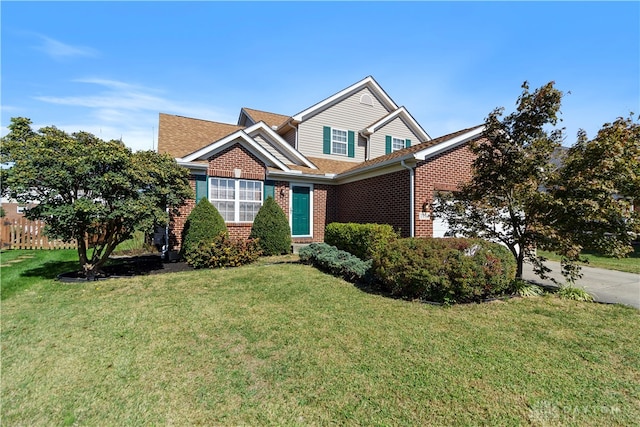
607, 286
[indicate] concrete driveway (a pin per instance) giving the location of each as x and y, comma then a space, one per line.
607, 286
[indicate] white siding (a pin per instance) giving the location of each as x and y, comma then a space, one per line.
396, 128
275, 153
349, 114
290, 137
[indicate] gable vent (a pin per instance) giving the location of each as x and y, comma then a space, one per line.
366, 99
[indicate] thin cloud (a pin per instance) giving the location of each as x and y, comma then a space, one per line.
119, 109
59, 50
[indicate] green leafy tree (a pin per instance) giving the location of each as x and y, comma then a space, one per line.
89, 190
272, 229
502, 202
203, 225
595, 189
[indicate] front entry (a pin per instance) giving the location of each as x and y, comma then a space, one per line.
300, 211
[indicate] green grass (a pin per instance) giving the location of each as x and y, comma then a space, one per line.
630, 264
283, 344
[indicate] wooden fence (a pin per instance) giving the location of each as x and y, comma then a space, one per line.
20, 233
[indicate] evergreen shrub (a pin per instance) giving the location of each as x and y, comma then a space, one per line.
271, 228
336, 262
203, 225
361, 240
444, 270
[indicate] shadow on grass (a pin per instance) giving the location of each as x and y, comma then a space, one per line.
51, 269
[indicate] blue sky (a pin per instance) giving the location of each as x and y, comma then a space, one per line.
111, 67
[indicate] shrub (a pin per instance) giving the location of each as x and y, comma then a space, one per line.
444, 270
361, 240
525, 289
334, 261
223, 252
271, 227
575, 294
203, 224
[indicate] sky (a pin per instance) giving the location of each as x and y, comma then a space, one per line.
110, 68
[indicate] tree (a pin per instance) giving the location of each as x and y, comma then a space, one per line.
89, 190
503, 202
271, 228
595, 189
203, 225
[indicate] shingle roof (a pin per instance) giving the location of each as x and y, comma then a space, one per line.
324, 166
179, 136
271, 119
410, 150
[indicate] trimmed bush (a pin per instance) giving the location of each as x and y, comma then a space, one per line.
224, 252
271, 228
361, 240
203, 224
444, 270
334, 261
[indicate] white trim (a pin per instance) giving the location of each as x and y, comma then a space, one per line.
236, 200
346, 143
192, 165
208, 151
310, 186
281, 143
393, 139
403, 114
368, 82
449, 144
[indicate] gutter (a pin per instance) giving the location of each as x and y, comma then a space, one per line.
411, 197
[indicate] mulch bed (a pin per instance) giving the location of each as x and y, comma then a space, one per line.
142, 265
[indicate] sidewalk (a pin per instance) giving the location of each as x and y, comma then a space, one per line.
607, 286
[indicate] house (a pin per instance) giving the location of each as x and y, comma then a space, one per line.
355, 156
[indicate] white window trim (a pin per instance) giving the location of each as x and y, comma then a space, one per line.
393, 138
346, 143
236, 201
310, 186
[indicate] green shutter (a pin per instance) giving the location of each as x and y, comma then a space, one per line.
407, 143
201, 187
387, 146
269, 189
326, 140
351, 150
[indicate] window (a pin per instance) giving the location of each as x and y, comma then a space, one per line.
397, 144
237, 200
339, 142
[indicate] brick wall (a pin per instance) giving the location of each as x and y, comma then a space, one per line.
233, 162
443, 172
382, 199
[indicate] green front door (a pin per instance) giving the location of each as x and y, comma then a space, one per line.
300, 211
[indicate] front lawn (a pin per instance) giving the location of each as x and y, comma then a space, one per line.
284, 344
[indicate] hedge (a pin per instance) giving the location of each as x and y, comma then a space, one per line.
361, 240
334, 261
444, 270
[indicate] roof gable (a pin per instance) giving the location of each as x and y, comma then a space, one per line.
368, 82
406, 117
238, 137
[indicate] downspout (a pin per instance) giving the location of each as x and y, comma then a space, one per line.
411, 197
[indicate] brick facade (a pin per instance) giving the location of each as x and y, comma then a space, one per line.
382, 199
441, 173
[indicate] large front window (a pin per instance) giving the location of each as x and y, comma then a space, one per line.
237, 200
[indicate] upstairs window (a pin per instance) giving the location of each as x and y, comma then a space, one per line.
397, 144
339, 142
394, 144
